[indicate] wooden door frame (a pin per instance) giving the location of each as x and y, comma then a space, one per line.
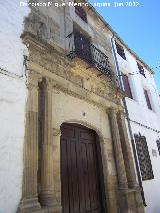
100, 173
99, 164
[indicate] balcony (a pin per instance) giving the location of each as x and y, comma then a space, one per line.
80, 46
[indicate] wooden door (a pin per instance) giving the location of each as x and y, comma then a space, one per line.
79, 171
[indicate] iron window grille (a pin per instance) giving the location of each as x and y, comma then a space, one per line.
144, 157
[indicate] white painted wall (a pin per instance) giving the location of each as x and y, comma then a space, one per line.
139, 112
151, 187
11, 27
12, 104
12, 114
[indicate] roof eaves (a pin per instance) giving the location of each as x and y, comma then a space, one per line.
121, 41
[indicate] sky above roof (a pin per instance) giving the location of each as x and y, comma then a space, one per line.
138, 25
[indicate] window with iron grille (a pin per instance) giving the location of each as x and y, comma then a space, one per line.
126, 85
147, 99
158, 145
144, 157
141, 69
120, 51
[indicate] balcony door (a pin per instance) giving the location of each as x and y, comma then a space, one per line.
82, 46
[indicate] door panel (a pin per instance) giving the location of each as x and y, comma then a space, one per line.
79, 170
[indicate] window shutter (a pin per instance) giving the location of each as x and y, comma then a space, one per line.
126, 85
147, 99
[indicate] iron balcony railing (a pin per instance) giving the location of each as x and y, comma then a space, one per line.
80, 46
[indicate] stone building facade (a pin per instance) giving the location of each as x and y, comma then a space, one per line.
72, 90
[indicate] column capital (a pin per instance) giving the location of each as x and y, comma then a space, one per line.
121, 115
33, 79
112, 110
47, 83
56, 132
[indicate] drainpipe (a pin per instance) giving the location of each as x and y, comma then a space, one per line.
128, 121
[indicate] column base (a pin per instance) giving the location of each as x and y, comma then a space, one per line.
29, 205
47, 198
55, 209
130, 201
134, 185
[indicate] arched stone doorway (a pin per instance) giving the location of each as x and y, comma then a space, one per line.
81, 170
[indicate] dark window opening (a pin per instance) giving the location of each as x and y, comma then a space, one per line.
147, 99
144, 157
120, 51
81, 13
141, 69
158, 145
126, 85
82, 46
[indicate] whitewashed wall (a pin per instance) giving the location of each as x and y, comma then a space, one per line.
139, 112
151, 187
11, 27
12, 114
12, 104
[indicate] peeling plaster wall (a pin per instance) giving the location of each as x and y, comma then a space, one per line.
12, 104
11, 27
12, 118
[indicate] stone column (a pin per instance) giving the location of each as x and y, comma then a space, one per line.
47, 181
130, 170
122, 179
29, 200
110, 179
